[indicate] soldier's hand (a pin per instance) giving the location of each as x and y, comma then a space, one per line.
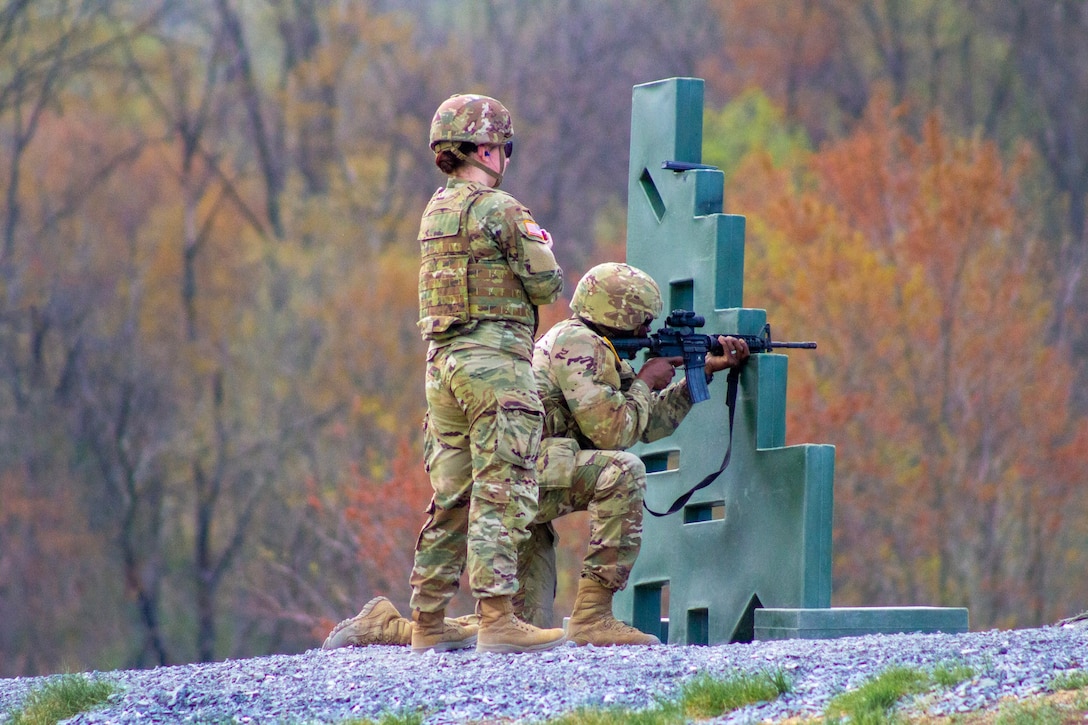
735, 353
659, 371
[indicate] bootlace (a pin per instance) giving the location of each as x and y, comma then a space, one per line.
613, 623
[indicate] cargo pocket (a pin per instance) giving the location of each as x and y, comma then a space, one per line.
555, 467
518, 426
494, 511
430, 446
450, 469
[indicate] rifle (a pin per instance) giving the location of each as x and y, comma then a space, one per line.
679, 338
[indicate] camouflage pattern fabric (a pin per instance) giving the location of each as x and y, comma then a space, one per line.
535, 600
482, 438
617, 296
473, 118
594, 405
591, 395
484, 258
484, 417
610, 485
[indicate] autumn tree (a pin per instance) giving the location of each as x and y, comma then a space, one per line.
823, 61
1051, 61
55, 282
210, 372
1009, 71
182, 351
909, 257
257, 279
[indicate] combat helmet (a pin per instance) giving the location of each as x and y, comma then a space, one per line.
470, 118
617, 296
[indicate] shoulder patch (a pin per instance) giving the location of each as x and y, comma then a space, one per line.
532, 230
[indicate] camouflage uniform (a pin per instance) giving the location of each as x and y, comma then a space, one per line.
486, 266
595, 408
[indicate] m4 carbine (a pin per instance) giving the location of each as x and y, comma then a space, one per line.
679, 338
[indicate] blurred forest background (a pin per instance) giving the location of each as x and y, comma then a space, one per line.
210, 374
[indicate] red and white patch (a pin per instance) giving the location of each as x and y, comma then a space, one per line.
532, 229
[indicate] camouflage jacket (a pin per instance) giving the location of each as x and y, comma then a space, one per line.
484, 258
593, 396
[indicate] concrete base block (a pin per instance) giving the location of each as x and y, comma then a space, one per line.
854, 621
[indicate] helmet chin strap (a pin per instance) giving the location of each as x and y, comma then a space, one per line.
606, 333
486, 169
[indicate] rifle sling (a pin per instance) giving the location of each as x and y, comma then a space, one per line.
731, 403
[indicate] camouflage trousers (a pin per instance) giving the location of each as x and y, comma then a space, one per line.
481, 440
610, 485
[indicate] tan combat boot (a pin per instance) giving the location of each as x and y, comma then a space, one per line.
432, 631
467, 620
500, 631
592, 622
378, 622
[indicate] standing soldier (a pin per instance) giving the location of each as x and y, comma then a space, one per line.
486, 266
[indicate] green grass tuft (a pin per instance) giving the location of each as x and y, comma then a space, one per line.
1069, 680
702, 698
874, 701
62, 698
950, 675
707, 697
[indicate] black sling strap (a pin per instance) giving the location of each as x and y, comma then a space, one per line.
731, 403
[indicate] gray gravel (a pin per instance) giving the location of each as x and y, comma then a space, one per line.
465, 687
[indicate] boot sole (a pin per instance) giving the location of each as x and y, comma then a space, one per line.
448, 646
581, 642
505, 649
364, 612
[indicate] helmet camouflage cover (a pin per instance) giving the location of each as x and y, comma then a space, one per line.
617, 296
471, 118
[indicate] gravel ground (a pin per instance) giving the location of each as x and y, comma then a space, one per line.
465, 687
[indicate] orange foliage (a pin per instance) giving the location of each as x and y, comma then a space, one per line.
378, 513
956, 443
